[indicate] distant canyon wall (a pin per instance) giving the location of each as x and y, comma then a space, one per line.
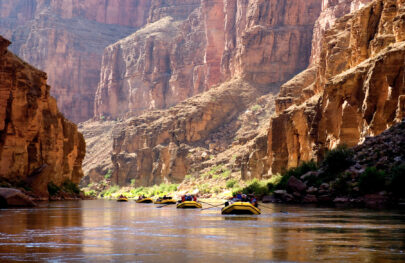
37, 144
66, 39
355, 90
264, 42
249, 49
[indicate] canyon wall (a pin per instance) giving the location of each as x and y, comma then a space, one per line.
356, 89
37, 144
331, 10
264, 42
66, 39
248, 49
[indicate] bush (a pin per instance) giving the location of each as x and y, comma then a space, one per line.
70, 187
204, 189
340, 185
372, 180
53, 189
336, 161
397, 181
256, 187
90, 193
231, 183
256, 107
132, 182
108, 174
109, 192
273, 182
297, 172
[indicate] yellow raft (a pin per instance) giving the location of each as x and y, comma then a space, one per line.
122, 199
165, 201
240, 208
145, 200
189, 204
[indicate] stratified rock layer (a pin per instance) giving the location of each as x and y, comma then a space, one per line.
66, 39
331, 10
37, 144
245, 50
264, 42
155, 147
356, 91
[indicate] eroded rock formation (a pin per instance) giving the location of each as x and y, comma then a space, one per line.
356, 91
155, 147
331, 10
250, 46
264, 42
66, 39
37, 144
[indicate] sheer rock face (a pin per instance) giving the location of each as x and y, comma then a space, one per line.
331, 10
37, 144
66, 39
156, 67
357, 90
248, 46
264, 42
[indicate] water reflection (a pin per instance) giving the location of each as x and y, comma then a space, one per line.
99, 231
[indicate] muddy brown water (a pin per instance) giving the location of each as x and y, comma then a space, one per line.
108, 231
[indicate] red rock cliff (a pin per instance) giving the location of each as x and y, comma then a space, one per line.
37, 144
251, 47
67, 38
356, 90
264, 42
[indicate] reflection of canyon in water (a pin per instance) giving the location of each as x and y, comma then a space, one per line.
99, 231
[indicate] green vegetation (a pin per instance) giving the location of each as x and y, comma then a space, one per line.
67, 187
53, 189
132, 182
217, 172
156, 190
108, 193
336, 161
372, 180
231, 183
90, 193
108, 174
256, 107
259, 187
297, 172
70, 187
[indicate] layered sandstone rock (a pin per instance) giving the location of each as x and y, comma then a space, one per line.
37, 144
357, 92
331, 10
66, 39
265, 42
156, 147
262, 43
154, 68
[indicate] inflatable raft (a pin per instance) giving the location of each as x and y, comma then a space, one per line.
165, 201
122, 199
145, 200
189, 204
240, 208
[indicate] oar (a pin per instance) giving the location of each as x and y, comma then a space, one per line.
212, 206
164, 205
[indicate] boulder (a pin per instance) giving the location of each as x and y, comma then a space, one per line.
10, 197
295, 185
268, 199
283, 195
309, 199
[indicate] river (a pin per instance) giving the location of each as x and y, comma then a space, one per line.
108, 231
